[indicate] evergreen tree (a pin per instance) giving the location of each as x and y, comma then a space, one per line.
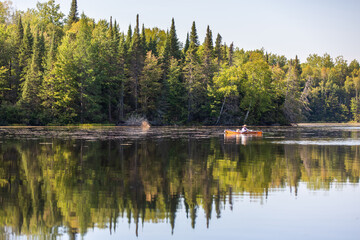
42, 51
231, 54
208, 56
137, 62
194, 42
208, 42
194, 78
174, 42
225, 52
60, 88
144, 45
30, 98
218, 49
187, 43
108, 66
116, 31
91, 54
152, 46
19, 32
17, 67
208, 70
123, 77
26, 48
73, 14
166, 54
176, 97
47, 87
127, 98
297, 66
164, 62
129, 37
25, 52
150, 86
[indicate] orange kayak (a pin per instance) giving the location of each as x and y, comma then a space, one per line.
229, 132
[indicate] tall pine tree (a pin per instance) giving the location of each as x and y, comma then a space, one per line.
218, 50
15, 74
30, 98
231, 54
73, 14
187, 44
174, 42
193, 77
25, 53
137, 62
208, 57
194, 40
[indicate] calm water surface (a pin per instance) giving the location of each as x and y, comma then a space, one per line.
179, 183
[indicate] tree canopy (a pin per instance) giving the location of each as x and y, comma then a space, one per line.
93, 72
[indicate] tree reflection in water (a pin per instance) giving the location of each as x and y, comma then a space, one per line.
78, 184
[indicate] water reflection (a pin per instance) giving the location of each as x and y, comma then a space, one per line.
46, 185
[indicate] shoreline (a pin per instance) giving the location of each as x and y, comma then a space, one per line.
326, 125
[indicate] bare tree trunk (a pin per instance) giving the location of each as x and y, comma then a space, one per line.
221, 111
247, 114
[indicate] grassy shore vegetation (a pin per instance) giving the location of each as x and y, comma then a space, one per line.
57, 69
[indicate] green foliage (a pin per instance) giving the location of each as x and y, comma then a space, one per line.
3, 82
150, 85
26, 50
176, 97
218, 50
49, 13
30, 98
73, 14
174, 42
187, 44
5, 11
355, 109
224, 92
136, 62
194, 39
11, 114
89, 71
60, 86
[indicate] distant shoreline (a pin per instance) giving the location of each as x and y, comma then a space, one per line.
326, 124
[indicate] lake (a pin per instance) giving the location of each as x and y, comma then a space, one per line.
179, 183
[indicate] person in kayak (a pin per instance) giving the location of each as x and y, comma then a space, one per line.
244, 129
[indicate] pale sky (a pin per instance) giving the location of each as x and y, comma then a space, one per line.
284, 27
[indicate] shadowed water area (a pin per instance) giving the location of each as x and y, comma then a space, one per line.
179, 183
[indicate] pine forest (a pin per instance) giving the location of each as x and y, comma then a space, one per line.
70, 69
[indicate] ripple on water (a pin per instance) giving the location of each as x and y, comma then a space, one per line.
333, 142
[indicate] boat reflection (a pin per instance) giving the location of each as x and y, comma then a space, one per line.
240, 138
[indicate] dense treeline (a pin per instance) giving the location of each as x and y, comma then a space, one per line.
41, 185
63, 70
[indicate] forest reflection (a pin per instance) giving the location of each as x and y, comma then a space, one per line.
78, 184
